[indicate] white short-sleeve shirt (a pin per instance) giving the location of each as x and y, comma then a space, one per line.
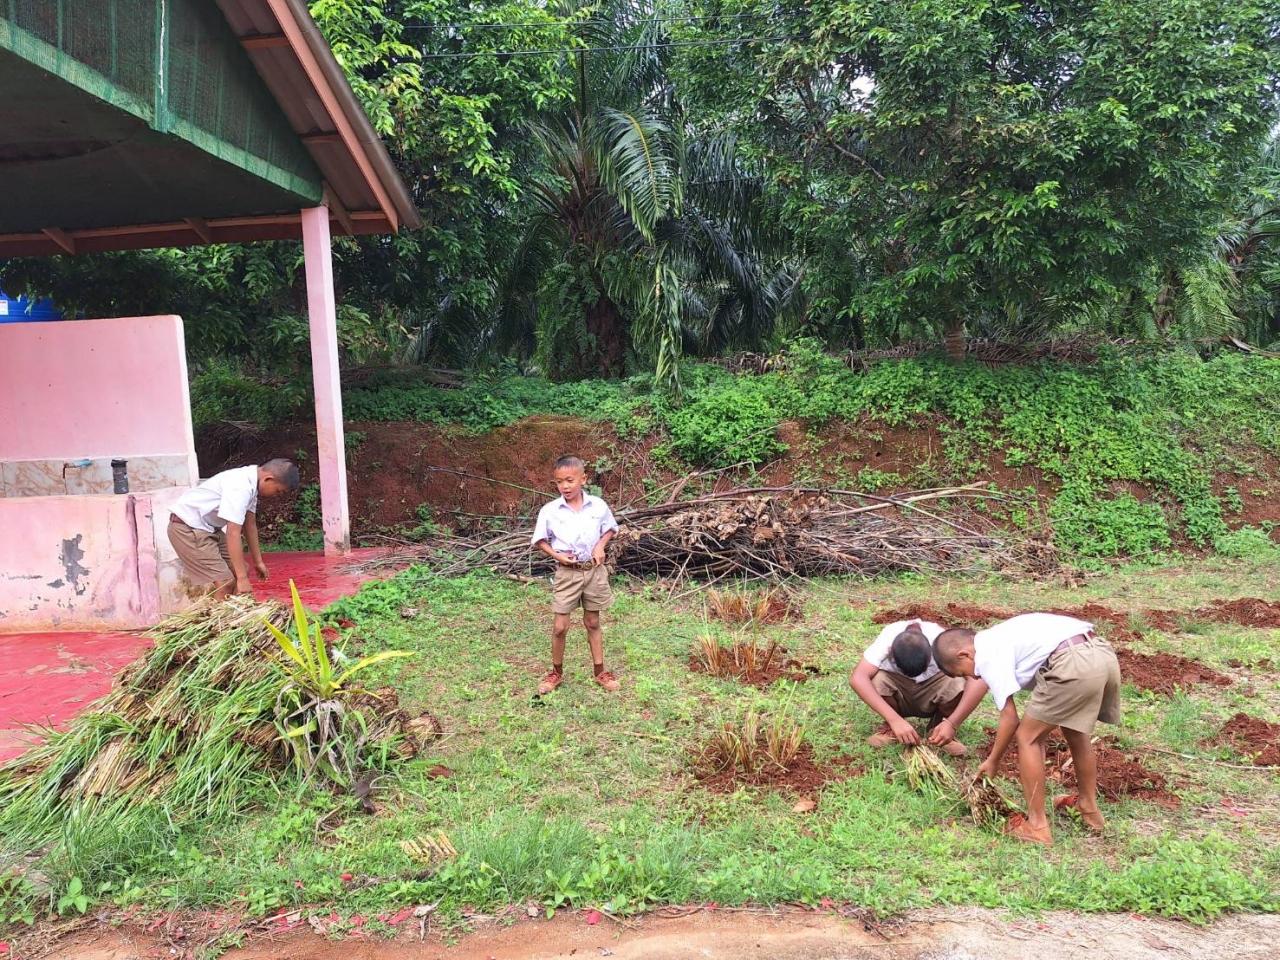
224, 498
1007, 655
574, 532
880, 657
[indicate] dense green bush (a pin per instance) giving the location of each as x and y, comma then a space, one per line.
1165, 424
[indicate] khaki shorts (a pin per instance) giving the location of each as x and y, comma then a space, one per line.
204, 555
1077, 687
915, 699
573, 588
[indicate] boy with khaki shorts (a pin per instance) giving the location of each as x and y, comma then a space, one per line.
574, 530
206, 522
897, 678
1075, 681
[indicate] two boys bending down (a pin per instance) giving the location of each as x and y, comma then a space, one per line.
1075, 682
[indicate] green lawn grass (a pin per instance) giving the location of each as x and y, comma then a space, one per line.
586, 798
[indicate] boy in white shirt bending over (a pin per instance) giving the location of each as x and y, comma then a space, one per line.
206, 522
897, 678
574, 530
1075, 679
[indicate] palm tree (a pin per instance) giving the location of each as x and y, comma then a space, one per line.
610, 174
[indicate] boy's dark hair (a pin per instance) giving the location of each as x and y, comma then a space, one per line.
286, 471
569, 460
947, 644
911, 651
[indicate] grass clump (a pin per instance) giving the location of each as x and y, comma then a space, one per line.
752, 745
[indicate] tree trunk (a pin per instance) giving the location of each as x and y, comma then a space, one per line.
953, 338
1163, 313
606, 326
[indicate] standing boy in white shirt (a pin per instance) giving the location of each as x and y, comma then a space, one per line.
206, 522
1075, 679
574, 530
897, 678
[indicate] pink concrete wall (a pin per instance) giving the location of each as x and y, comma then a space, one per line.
84, 389
85, 561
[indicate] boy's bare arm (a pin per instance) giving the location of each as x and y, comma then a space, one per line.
235, 550
255, 549
1004, 736
945, 732
860, 680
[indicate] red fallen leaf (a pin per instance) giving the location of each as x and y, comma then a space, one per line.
826, 903
4, 946
357, 920
346, 624
400, 916
593, 917
298, 884
347, 878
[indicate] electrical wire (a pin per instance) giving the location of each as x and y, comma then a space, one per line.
549, 24
634, 46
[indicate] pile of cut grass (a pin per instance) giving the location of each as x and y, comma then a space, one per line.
187, 734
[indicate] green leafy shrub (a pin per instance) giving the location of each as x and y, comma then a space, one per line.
1247, 543
724, 428
223, 390
1088, 525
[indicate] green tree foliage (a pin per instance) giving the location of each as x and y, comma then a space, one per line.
995, 164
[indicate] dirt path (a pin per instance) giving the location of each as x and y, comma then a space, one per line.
968, 934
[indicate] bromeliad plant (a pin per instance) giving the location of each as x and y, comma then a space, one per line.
315, 709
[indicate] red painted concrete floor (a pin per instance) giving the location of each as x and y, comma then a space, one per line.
47, 678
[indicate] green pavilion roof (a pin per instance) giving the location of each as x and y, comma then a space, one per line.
135, 123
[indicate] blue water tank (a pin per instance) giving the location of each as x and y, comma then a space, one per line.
22, 310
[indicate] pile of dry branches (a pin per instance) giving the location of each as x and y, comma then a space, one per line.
769, 533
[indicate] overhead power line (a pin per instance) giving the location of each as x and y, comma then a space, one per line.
549, 24
470, 54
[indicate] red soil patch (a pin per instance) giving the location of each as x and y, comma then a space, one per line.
1253, 738
1246, 611
1120, 774
803, 776
952, 615
1116, 621
1165, 672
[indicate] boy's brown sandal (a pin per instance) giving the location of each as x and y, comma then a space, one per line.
608, 681
549, 682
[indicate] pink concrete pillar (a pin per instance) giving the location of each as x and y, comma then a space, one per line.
330, 441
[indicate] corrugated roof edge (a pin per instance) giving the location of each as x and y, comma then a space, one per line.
375, 150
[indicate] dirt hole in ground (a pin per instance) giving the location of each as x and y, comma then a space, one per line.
1255, 739
749, 661
951, 615
1120, 772
1165, 673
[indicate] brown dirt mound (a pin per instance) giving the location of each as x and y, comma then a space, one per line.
952, 615
803, 776
1120, 774
1253, 738
1246, 611
1165, 672
1116, 621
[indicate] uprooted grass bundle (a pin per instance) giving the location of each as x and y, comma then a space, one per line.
988, 803
190, 733
769, 533
746, 659
986, 800
927, 772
